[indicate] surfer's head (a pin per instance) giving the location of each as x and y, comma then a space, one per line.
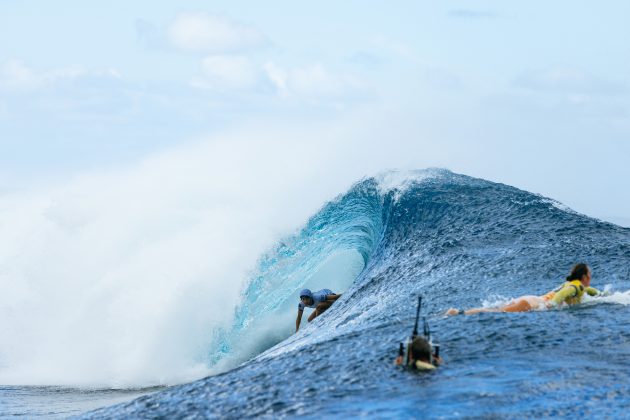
306, 296
580, 272
421, 349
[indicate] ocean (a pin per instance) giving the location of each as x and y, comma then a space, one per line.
455, 240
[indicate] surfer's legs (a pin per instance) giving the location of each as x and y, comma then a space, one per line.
522, 304
455, 311
518, 305
479, 310
319, 309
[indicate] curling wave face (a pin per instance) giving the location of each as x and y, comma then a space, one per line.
330, 251
458, 241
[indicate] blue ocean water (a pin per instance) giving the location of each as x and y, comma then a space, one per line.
56, 402
459, 242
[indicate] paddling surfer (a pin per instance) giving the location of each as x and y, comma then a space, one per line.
577, 283
422, 356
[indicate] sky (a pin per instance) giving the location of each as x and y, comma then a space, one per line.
533, 94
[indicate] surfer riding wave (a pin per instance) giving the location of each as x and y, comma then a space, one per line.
320, 301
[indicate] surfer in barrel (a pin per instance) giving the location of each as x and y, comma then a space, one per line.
570, 292
320, 301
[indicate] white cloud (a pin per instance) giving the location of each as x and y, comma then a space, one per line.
17, 76
278, 77
203, 32
313, 81
227, 73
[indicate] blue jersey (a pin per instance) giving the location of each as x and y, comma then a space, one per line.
318, 297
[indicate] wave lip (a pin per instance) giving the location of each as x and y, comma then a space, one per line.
396, 180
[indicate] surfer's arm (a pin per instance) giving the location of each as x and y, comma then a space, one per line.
437, 360
298, 320
592, 291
